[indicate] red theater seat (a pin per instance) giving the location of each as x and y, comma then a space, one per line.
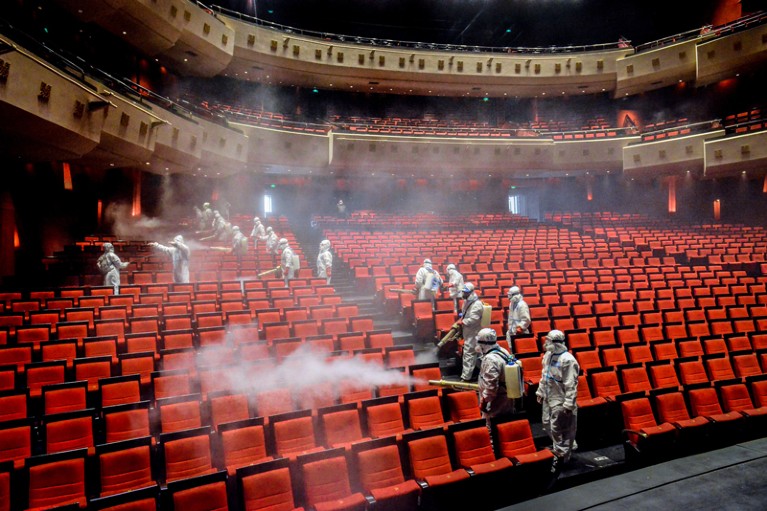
242, 443
381, 476
326, 482
266, 487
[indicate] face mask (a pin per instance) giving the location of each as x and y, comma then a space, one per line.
549, 346
515, 299
478, 350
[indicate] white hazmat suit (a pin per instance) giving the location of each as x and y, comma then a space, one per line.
556, 393
519, 314
471, 320
110, 265
454, 284
286, 261
493, 400
258, 233
325, 261
427, 282
179, 255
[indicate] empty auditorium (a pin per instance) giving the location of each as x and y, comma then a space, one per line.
391, 255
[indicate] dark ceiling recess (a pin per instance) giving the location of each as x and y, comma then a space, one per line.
492, 22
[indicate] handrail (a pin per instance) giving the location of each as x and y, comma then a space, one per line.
711, 123
706, 30
421, 45
753, 125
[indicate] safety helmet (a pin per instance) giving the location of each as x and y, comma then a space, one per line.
325, 244
236, 228
283, 241
178, 239
487, 336
514, 290
468, 288
450, 267
269, 229
206, 204
107, 247
216, 214
427, 261
556, 336
257, 220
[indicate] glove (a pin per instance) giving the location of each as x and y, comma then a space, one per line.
539, 399
460, 314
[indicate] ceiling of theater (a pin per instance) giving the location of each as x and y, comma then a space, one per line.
486, 22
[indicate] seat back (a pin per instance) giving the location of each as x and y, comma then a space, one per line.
473, 446
243, 443
704, 402
671, 407
340, 424
635, 379
126, 422
515, 438
16, 441
266, 487
663, 375
125, 466
186, 454
692, 372
605, 383
64, 397
637, 414
326, 480
207, 493
384, 419
425, 412
70, 431
179, 413
735, 398
293, 433
227, 407
429, 456
56, 480
463, 406
380, 467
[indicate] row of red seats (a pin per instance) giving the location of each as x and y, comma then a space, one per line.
671, 423
423, 470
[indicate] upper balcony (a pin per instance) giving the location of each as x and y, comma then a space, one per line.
197, 40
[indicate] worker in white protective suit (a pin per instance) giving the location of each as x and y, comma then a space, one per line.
556, 393
454, 285
205, 217
219, 228
239, 244
110, 265
325, 261
471, 322
519, 315
257, 234
427, 282
493, 400
286, 260
271, 241
179, 255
